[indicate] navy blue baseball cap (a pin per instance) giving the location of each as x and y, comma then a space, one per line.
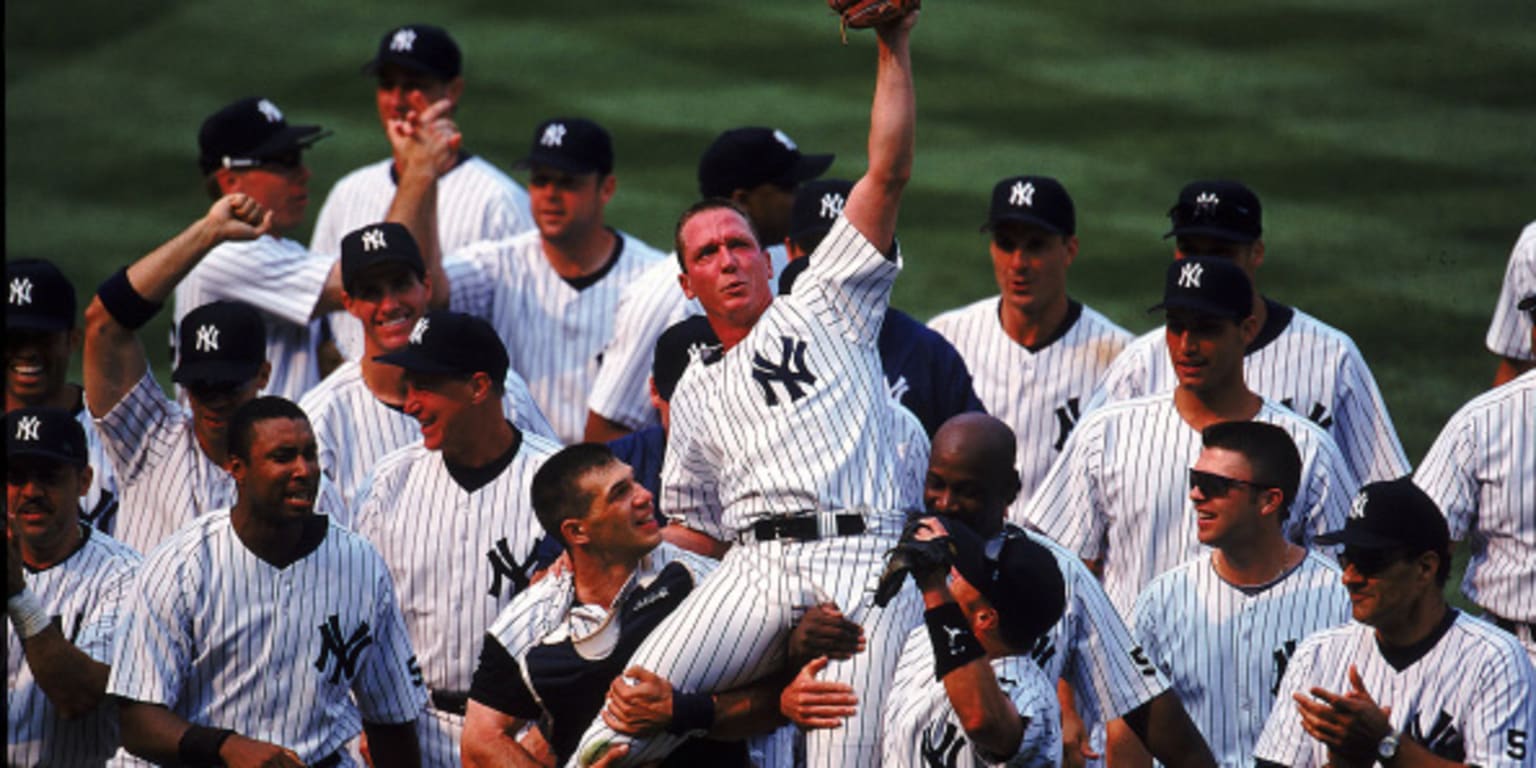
743, 158
1038, 200
384, 243
1392, 514
45, 433
818, 203
221, 343
1209, 285
420, 48
1017, 576
452, 343
691, 340
1228, 210
570, 144
248, 131
41, 298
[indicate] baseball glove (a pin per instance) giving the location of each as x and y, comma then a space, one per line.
915, 557
862, 14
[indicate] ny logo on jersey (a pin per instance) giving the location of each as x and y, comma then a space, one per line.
21, 291
373, 240
1318, 415
832, 205
269, 111
1443, 739
404, 38
505, 566
419, 332
1205, 203
554, 135
1066, 419
1189, 275
941, 745
207, 338
898, 388
1022, 194
1283, 656
27, 427
790, 371
345, 651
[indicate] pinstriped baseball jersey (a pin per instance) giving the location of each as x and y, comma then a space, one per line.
1225, 647
458, 558
475, 202
353, 429
922, 729
555, 333
1120, 491
283, 281
1481, 472
1304, 364
98, 507
1039, 393
85, 593
1509, 335
224, 639
1470, 697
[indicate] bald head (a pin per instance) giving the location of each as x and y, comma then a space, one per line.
981, 441
971, 475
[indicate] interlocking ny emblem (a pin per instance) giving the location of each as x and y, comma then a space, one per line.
269, 111
941, 745
344, 651
832, 205
554, 135
373, 240
21, 291
207, 338
419, 332
783, 138
1206, 202
26, 428
404, 38
505, 567
1023, 193
790, 371
1066, 419
1357, 509
1189, 275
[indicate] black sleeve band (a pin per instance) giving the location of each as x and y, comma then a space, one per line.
692, 713
498, 683
954, 645
126, 305
199, 746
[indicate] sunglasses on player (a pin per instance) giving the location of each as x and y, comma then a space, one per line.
1369, 562
1213, 486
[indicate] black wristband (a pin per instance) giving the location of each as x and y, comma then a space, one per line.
692, 713
199, 746
954, 645
130, 309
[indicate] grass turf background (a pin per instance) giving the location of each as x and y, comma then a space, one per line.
1391, 142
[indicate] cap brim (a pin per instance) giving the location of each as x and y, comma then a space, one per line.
1023, 218
1358, 537
558, 162
218, 372
38, 323
807, 168
15, 452
411, 360
1208, 231
1198, 306
389, 259
372, 66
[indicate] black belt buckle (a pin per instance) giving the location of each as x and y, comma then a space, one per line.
450, 702
804, 527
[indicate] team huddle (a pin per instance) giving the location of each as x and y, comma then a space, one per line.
476, 478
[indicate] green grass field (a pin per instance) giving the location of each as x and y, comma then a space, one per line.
1391, 141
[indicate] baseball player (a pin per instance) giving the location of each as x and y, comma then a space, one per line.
1036, 354
1223, 625
248, 147
60, 615
265, 634
1117, 496
925, 373
358, 412
988, 604
450, 513
1411, 681
788, 442
1510, 329
475, 200
551, 294
40, 339
1101, 672
1294, 359
1481, 472
759, 169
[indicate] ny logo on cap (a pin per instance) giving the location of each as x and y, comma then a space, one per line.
373, 240
554, 135
404, 38
419, 332
1189, 275
1206, 202
832, 205
21, 291
783, 138
1357, 509
1023, 193
27, 427
269, 111
208, 338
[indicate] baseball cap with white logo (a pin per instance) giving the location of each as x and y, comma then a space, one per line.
818, 203
743, 158
570, 144
40, 297
45, 433
1227, 210
1213, 286
218, 344
420, 48
1038, 200
452, 343
246, 132
1393, 514
387, 242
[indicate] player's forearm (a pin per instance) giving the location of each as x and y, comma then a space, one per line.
151, 731
749, 711
393, 745
1168, 733
415, 206
490, 740
1510, 368
873, 204
155, 275
113, 361
1123, 748
74, 682
986, 713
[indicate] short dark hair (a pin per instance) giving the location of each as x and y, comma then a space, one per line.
709, 204
242, 423
1269, 449
556, 492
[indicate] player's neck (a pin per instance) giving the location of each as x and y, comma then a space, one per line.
213, 442
1260, 309
479, 447
1256, 563
1418, 621
578, 255
1030, 329
40, 554
598, 579
1200, 409
277, 541
386, 382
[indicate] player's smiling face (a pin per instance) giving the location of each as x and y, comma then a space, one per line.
1030, 265
42, 499
400, 90
36, 363
388, 299
1384, 585
213, 404
568, 205
955, 488
280, 185
1228, 516
441, 404
1206, 350
282, 476
622, 517
725, 268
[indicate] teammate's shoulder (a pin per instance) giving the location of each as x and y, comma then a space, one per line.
1097, 323
363, 178
1176, 581
1303, 430
1518, 388
402, 460
324, 395
193, 541
1309, 331
667, 553
1129, 408
479, 166
103, 546
537, 447
645, 254
1316, 562
977, 311
1492, 643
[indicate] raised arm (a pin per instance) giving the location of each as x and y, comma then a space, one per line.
426, 144
114, 357
876, 197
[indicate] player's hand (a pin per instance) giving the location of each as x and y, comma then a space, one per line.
240, 752
824, 631
15, 582
811, 703
1076, 740
426, 140
612, 757
561, 566
1351, 725
236, 217
639, 703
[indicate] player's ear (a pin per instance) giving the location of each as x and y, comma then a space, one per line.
263, 374
1258, 253
480, 384
574, 531
1249, 327
606, 187
227, 179
682, 280
1071, 243
455, 89
984, 620
84, 480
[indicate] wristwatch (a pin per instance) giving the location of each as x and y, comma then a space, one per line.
1386, 749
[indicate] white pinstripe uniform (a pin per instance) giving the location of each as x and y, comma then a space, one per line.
85, 592
98, 507
795, 418
1310, 367
1471, 697
922, 729
555, 334
475, 202
649, 305
458, 558
353, 429
282, 281
1226, 647
1481, 472
223, 639
1509, 335
1120, 492
1040, 394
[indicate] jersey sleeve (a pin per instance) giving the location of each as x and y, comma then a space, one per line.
1125, 378
499, 683
1283, 742
519, 406
1504, 711
689, 488
388, 686
154, 642
848, 283
645, 310
131, 428
1064, 506
1364, 430
1148, 622
472, 274
280, 278
98, 630
1324, 496
1447, 475
1109, 673
1509, 335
